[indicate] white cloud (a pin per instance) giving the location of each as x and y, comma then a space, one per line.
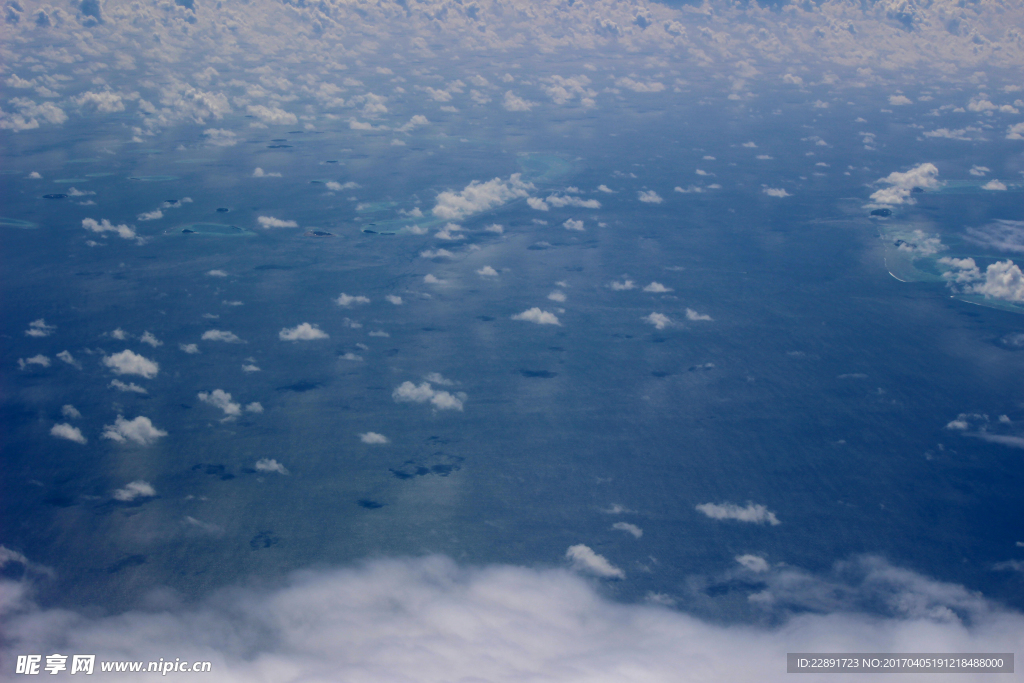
514, 103
495, 228
657, 288
649, 197
70, 412
487, 271
338, 187
776, 192
351, 356
216, 273
140, 430
431, 279
39, 328
659, 320
219, 398
407, 392
373, 438
273, 115
623, 286
255, 407
260, 173
271, 222
1001, 280
38, 359
535, 315
133, 490
429, 619
130, 387
105, 226
754, 563
900, 185
119, 334
149, 338
605, 188
585, 560
638, 86
346, 300
993, 185
393, 299
633, 529
436, 253
899, 100
270, 465
105, 102
250, 367
694, 315
189, 348
65, 431
557, 296
219, 335
570, 224
756, 514
219, 137
130, 363
1015, 132
979, 170
302, 332
478, 196
561, 201
537, 203
1003, 235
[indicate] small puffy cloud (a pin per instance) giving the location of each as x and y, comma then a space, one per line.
480, 196
302, 332
34, 175
583, 559
105, 226
633, 529
776, 192
407, 392
38, 359
149, 338
753, 513
792, 80
605, 188
219, 137
487, 271
255, 407
512, 102
495, 228
218, 335
105, 102
216, 273
416, 120
993, 185
570, 224
438, 378
273, 115
432, 279
260, 173
338, 187
346, 300
271, 222
623, 286
219, 398
694, 315
150, 215
899, 100
69, 359
373, 438
1015, 132
134, 490
393, 299
754, 563
979, 170
63, 430
351, 356
119, 334
639, 86
659, 320
270, 465
189, 348
557, 295
250, 367
130, 387
130, 363
70, 412
649, 197
536, 203
39, 328
901, 185
750, 144
968, 133
140, 431
657, 288
436, 253
535, 315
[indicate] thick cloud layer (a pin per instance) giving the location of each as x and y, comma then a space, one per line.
428, 620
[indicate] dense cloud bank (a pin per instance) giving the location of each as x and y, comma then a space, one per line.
429, 619
278, 62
